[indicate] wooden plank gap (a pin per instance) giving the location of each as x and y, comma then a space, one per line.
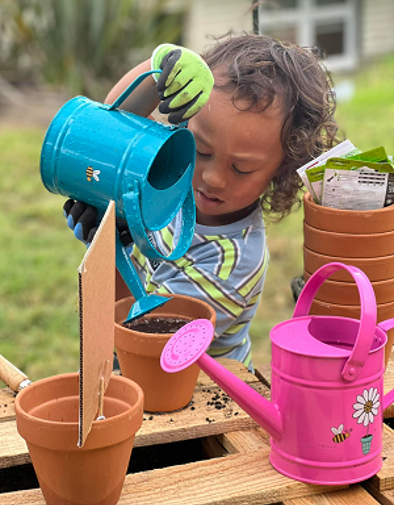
263, 373
383, 497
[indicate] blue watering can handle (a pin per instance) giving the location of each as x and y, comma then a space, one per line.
122, 97
131, 200
368, 317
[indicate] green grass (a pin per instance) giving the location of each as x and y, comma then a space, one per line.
38, 265
39, 257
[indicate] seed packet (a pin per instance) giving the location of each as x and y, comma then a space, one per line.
353, 184
339, 150
377, 155
315, 175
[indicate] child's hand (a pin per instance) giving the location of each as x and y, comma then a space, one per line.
82, 219
184, 85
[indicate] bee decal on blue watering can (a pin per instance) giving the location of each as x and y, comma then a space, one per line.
92, 174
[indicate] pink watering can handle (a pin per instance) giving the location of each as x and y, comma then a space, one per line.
368, 316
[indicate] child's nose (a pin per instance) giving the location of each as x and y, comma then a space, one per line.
213, 175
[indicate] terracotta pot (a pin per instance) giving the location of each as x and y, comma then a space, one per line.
384, 311
47, 418
377, 269
348, 221
349, 245
139, 354
346, 293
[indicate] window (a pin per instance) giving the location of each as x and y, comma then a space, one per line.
328, 24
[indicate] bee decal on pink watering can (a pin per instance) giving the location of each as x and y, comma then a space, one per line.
365, 409
340, 435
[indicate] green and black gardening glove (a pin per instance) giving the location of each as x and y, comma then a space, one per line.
184, 85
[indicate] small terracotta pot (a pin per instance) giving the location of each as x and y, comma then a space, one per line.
347, 244
348, 221
139, 354
377, 269
384, 311
47, 418
346, 293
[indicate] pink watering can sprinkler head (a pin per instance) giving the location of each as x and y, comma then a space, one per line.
326, 413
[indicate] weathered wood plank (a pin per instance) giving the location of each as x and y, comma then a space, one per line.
355, 495
13, 449
386, 497
200, 419
245, 441
211, 412
7, 400
233, 480
234, 367
7, 396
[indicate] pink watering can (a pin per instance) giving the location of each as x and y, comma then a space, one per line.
325, 418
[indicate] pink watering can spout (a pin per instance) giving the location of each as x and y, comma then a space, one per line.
264, 412
325, 417
188, 346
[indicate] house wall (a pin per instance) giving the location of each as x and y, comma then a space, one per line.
377, 27
212, 18
207, 18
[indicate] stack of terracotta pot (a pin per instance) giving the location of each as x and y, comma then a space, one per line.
364, 239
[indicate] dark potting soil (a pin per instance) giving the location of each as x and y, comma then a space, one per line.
157, 324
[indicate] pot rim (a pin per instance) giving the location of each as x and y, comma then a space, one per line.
381, 306
160, 312
383, 282
343, 259
329, 210
133, 409
348, 236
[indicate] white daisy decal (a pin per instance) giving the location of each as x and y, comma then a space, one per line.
367, 406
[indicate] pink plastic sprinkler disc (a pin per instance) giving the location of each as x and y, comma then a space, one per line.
187, 345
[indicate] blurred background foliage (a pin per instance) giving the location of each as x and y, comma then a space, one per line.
85, 45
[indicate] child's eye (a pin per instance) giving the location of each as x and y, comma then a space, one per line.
240, 171
203, 155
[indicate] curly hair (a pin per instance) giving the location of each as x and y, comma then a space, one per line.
257, 69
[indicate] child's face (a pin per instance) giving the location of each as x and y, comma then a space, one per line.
238, 153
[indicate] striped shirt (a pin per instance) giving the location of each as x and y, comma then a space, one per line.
225, 266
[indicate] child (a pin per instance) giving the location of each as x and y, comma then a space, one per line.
270, 111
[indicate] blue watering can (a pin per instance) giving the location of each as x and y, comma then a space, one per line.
95, 153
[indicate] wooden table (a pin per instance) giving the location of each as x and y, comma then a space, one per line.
211, 452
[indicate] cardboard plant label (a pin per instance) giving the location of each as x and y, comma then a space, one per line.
96, 318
